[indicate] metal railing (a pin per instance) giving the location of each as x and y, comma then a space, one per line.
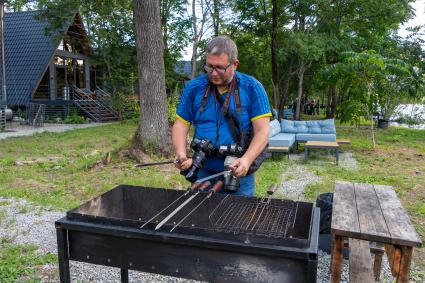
89, 104
2, 118
36, 114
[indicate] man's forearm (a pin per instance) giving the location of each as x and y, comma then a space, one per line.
179, 137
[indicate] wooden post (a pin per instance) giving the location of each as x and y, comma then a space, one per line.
377, 263
406, 258
86, 74
52, 80
337, 258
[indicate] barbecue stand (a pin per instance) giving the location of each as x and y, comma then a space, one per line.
106, 230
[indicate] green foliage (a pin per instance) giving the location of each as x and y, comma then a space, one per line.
74, 118
17, 261
172, 103
374, 83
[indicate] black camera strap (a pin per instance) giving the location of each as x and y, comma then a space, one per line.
234, 122
230, 119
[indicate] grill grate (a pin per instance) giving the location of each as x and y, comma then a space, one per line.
259, 217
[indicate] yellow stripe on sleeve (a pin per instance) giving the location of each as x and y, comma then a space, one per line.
261, 116
183, 120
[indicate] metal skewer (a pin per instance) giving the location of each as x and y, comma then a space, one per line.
159, 213
157, 163
214, 189
203, 186
213, 176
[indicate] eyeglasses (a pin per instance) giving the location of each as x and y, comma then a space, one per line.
218, 69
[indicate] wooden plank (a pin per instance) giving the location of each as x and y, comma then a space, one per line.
337, 258
399, 226
371, 220
360, 262
344, 212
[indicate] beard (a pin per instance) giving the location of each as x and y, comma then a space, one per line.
220, 81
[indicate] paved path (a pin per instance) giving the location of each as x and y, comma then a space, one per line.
16, 130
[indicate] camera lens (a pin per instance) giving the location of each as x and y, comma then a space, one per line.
231, 183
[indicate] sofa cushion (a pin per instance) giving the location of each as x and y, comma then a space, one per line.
282, 140
288, 126
315, 137
327, 126
309, 127
274, 128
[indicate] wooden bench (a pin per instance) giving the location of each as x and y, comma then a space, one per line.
371, 213
322, 145
343, 141
272, 149
360, 261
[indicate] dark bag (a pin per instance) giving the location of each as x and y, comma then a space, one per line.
324, 202
245, 142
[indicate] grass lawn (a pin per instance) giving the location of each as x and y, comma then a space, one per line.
63, 174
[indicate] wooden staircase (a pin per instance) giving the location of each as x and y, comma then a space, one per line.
94, 104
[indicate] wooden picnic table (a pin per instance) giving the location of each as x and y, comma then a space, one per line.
373, 213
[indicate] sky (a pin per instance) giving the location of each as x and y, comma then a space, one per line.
419, 19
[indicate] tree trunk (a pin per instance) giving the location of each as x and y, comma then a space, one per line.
300, 88
274, 47
195, 40
286, 85
333, 102
216, 16
153, 132
328, 102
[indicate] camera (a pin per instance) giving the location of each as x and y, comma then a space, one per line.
230, 152
202, 148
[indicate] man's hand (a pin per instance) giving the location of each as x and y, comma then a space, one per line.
240, 166
183, 163
179, 137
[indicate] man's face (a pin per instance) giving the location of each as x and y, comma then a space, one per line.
220, 62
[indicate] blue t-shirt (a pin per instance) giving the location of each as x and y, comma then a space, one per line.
254, 103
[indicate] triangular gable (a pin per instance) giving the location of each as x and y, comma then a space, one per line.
29, 50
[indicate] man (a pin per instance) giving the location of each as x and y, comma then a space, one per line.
202, 103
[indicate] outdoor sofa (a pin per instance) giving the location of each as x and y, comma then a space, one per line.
284, 135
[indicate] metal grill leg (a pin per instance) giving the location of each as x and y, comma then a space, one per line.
337, 155
124, 275
63, 255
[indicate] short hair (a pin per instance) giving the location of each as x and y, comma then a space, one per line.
222, 44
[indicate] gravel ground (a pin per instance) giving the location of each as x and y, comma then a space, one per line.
16, 130
294, 180
297, 176
25, 223
346, 159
